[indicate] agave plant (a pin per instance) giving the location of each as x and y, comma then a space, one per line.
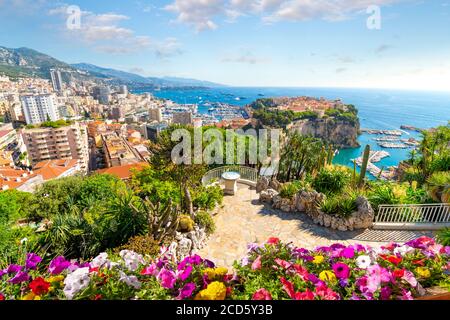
438, 186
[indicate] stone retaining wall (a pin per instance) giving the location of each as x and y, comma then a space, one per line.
308, 202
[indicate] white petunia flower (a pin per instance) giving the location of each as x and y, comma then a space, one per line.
132, 259
363, 262
132, 281
402, 250
100, 260
75, 282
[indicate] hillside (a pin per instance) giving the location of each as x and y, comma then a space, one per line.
25, 62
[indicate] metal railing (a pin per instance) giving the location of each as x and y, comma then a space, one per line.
247, 174
414, 214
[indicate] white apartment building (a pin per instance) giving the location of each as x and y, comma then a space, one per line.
38, 108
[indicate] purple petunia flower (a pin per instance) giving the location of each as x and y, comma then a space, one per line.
32, 261
183, 275
348, 253
2, 273
323, 249
186, 291
19, 277
167, 278
343, 282
341, 270
209, 263
385, 293
195, 259
313, 278
13, 268
337, 246
58, 265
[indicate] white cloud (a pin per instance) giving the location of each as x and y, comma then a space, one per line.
203, 14
245, 58
105, 33
198, 13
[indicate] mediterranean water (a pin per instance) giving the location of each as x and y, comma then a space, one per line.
378, 109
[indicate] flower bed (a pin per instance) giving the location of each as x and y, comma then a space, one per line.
270, 271
279, 271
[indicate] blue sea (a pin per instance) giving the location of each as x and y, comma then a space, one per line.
378, 109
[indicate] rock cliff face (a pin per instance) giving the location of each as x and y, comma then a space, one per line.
341, 133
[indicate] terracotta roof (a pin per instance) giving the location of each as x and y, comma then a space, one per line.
52, 169
123, 172
9, 177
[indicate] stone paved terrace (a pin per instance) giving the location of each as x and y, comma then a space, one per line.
242, 219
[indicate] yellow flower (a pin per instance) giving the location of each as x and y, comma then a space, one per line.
327, 275
221, 271
423, 272
58, 278
210, 272
28, 296
318, 259
31, 296
214, 291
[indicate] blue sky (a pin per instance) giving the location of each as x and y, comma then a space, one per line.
246, 42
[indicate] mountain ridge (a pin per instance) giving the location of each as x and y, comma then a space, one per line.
23, 62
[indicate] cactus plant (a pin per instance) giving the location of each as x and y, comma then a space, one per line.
364, 163
162, 222
380, 173
354, 172
330, 155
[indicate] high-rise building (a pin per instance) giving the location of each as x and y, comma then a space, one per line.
38, 108
153, 131
102, 94
123, 89
155, 114
66, 142
56, 80
184, 117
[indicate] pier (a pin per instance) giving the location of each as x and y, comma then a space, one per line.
384, 132
375, 156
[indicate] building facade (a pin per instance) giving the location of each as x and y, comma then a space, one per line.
68, 142
57, 82
38, 108
155, 114
183, 117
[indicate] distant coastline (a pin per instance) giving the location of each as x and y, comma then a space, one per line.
378, 109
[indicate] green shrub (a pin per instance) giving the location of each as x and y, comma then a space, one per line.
185, 223
206, 198
443, 237
289, 189
331, 180
144, 245
438, 186
342, 206
205, 220
382, 193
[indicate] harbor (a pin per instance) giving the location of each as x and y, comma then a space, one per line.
374, 157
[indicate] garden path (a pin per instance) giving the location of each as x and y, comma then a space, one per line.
242, 219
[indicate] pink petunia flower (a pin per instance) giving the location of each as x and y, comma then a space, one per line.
262, 294
256, 265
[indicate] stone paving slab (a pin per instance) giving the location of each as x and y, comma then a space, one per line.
242, 219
